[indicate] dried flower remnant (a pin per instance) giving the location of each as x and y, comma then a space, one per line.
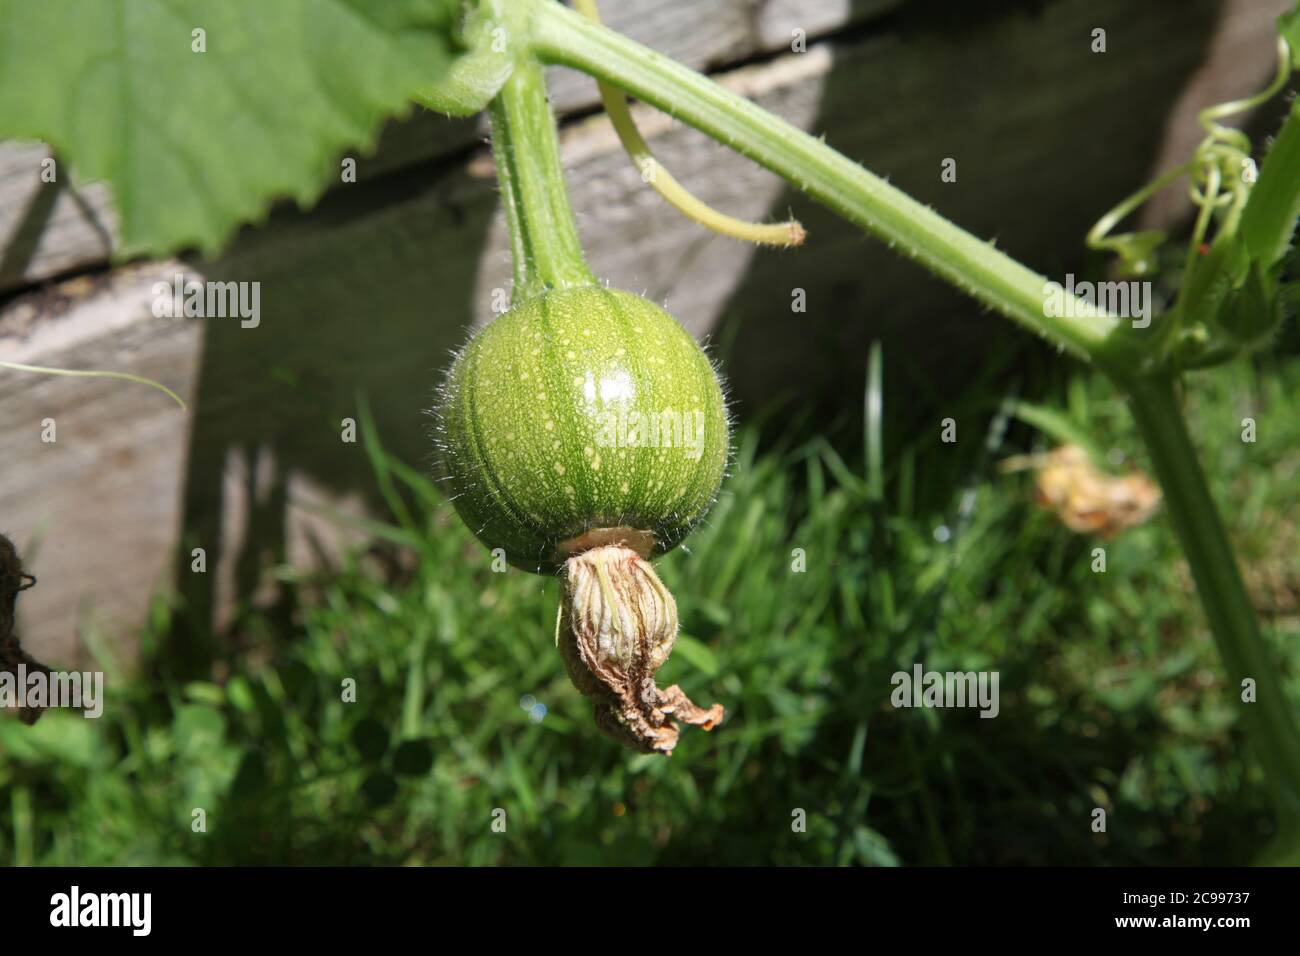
1086, 499
616, 627
12, 580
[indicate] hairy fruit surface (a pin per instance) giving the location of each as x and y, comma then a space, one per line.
581, 418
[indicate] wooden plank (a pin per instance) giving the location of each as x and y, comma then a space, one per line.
47, 231
96, 510
48, 228
369, 293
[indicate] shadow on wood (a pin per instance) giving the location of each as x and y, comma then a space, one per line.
368, 293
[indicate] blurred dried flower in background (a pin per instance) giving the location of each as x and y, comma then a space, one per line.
1086, 499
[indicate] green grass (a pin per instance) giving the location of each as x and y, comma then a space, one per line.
1110, 688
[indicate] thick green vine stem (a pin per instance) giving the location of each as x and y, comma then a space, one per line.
561, 36
544, 243
1268, 719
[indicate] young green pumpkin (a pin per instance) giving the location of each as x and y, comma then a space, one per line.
584, 430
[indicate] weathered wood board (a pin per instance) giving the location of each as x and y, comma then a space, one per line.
368, 293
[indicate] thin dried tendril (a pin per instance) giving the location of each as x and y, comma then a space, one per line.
96, 373
789, 233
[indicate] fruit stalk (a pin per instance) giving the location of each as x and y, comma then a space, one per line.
544, 245
532, 438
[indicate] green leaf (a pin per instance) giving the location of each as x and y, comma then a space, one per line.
1269, 221
480, 70
194, 143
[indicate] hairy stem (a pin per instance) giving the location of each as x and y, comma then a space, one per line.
562, 36
544, 241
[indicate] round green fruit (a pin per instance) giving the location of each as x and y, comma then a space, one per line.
582, 417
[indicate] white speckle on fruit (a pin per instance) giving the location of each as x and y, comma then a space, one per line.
617, 388
609, 377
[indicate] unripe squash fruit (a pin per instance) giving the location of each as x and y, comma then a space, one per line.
580, 418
